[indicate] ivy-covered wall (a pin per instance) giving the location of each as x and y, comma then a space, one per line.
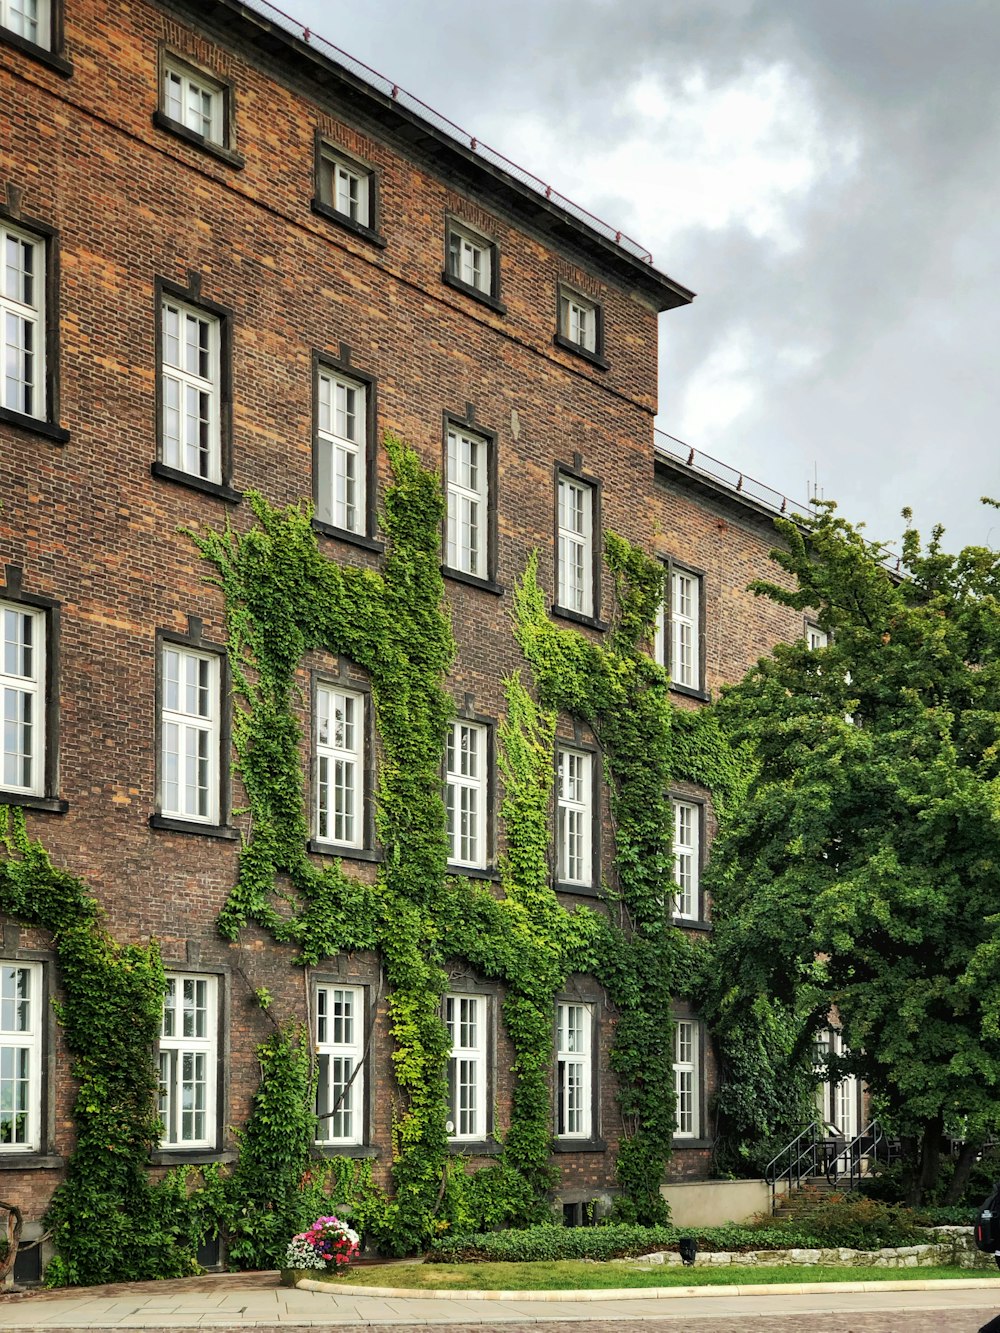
283, 598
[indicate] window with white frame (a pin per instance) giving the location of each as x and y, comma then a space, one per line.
574, 817
468, 503
22, 694
470, 259
194, 101
190, 730
466, 789
188, 1061
341, 451
575, 553
687, 841
574, 1071
30, 19
190, 390
340, 1090
344, 186
678, 629
816, 637
686, 1079
578, 320
21, 1018
22, 322
465, 1019
340, 742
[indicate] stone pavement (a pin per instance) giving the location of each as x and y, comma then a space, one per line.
227, 1303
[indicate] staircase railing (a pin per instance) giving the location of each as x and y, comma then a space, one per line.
820, 1150
798, 1160
849, 1163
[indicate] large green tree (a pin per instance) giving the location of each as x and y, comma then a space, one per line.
863, 869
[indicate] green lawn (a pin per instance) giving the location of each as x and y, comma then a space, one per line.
573, 1274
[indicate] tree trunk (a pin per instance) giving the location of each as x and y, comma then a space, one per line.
14, 1223
925, 1177
963, 1169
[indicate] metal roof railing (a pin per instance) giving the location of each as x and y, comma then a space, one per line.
731, 477
441, 122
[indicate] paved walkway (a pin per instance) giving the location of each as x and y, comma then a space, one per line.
226, 1303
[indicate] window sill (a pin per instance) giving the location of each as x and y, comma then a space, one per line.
691, 692
689, 923
344, 853
345, 535
579, 1145
474, 872
174, 127
40, 53
473, 581
327, 211
322, 1152
581, 890
171, 825
592, 622
190, 1156
35, 425
486, 298
49, 805
473, 1147
30, 1161
681, 1143
220, 491
567, 344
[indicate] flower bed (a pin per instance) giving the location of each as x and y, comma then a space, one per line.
328, 1244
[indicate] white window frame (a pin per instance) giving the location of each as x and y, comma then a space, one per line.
190, 389
340, 1054
466, 1018
816, 638
687, 1074
578, 321
22, 321
345, 186
23, 697
194, 101
35, 28
574, 1070
188, 1061
341, 451
687, 859
204, 728
574, 816
471, 258
21, 1058
340, 766
467, 793
575, 545
677, 637
468, 470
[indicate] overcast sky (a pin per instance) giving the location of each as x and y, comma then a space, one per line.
824, 176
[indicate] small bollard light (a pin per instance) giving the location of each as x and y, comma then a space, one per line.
688, 1247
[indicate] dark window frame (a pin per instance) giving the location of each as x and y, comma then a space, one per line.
671, 564
585, 993
51, 55
343, 851
464, 985
565, 290
455, 224
370, 231
12, 591
44, 1157
342, 365
684, 1013
191, 295
467, 424
48, 426
575, 472
225, 152
367, 1147
194, 639
701, 921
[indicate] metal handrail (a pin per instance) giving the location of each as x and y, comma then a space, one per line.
797, 1161
815, 1151
856, 1159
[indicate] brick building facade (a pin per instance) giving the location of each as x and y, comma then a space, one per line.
231, 263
